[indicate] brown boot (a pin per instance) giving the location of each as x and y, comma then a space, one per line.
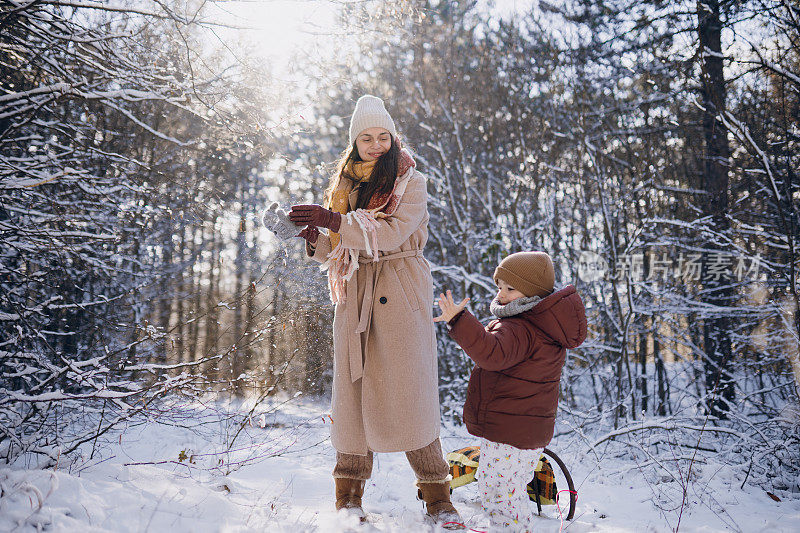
348, 495
437, 504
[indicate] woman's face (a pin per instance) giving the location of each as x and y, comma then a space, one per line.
506, 293
373, 143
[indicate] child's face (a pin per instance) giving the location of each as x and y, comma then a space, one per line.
506, 293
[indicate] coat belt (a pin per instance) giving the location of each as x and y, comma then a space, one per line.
356, 325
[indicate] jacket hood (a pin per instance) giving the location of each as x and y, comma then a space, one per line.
561, 316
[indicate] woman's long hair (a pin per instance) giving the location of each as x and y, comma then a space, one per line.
382, 180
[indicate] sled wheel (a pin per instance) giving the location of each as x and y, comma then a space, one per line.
573, 496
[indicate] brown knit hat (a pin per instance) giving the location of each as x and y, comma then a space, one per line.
531, 273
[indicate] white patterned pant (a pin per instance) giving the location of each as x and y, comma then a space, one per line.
503, 473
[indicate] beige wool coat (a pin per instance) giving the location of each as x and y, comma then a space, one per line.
385, 384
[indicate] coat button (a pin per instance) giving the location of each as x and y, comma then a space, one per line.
383, 299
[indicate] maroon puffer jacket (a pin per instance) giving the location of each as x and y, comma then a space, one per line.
513, 390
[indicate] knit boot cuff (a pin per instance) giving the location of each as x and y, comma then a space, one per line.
343, 476
448, 479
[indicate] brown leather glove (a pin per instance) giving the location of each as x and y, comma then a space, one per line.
315, 215
309, 233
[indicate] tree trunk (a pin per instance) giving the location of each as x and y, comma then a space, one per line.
249, 326
196, 281
238, 361
273, 337
660, 372
164, 296
211, 342
717, 341
181, 326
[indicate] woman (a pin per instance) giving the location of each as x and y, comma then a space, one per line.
385, 385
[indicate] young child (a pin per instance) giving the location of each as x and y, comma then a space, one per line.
513, 390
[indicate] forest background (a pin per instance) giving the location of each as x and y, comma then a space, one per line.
650, 147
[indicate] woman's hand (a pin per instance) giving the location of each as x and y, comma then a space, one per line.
449, 307
315, 215
309, 233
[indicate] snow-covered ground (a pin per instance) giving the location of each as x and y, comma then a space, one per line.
151, 476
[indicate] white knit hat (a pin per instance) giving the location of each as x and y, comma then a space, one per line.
370, 113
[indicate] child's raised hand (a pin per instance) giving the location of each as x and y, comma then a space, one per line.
449, 307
